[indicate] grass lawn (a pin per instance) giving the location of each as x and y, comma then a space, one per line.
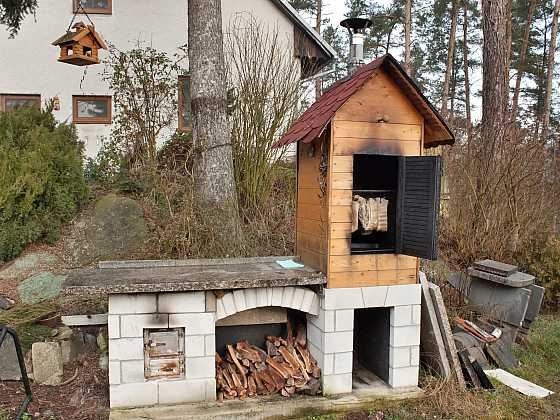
540, 363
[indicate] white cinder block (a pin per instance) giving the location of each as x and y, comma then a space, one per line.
404, 294
288, 297
134, 395
133, 325
338, 342
343, 298
277, 296
414, 355
261, 297
195, 324
315, 336
343, 362
375, 296
132, 371
251, 298
416, 314
328, 364
195, 346
114, 373
401, 315
229, 304
269, 293
239, 299
113, 325
299, 293
140, 303
210, 345
344, 320
210, 301
315, 305
324, 321
220, 309
337, 384
200, 367
126, 348
176, 303
399, 357
185, 391
403, 377
210, 389
405, 336
308, 298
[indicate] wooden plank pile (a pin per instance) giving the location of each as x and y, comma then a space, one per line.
285, 367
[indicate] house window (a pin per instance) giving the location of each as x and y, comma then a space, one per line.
91, 109
104, 7
185, 111
10, 102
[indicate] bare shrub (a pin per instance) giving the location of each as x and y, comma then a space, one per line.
502, 198
266, 92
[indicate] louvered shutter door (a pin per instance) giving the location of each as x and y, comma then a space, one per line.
418, 206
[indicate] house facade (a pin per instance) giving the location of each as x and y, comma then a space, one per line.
31, 74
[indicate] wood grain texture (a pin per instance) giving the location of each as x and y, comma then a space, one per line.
348, 146
368, 130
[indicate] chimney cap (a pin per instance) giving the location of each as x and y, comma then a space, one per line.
356, 24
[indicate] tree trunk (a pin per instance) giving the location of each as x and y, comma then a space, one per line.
318, 17
407, 32
450, 55
213, 169
550, 72
522, 58
495, 64
466, 71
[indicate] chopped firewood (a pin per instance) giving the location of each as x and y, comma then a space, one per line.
306, 356
316, 372
252, 386
290, 334
239, 367
285, 367
278, 367
301, 335
271, 349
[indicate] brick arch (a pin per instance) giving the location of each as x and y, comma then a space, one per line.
300, 298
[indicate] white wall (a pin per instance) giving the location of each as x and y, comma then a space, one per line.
28, 63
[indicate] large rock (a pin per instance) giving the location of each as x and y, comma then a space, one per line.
9, 365
30, 262
40, 287
115, 228
47, 363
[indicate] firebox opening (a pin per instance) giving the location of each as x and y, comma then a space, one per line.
164, 353
376, 176
371, 348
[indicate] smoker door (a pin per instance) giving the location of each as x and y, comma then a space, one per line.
418, 206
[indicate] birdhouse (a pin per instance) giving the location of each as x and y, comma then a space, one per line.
367, 190
80, 47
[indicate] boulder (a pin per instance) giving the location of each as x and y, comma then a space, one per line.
40, 287
30, 262
47, 363
114, 228
9, 365
6, 303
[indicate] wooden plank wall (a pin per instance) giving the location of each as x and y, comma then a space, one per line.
378, 119
311, 213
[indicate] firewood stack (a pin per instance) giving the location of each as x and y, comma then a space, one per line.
286, 367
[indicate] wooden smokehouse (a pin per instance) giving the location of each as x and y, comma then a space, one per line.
366, 138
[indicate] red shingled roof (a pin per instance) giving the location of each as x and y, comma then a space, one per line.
312, 122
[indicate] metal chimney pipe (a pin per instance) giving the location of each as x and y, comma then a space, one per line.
356, 29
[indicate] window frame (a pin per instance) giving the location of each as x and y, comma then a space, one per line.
92, 120
181, 104
4, 96
95, 10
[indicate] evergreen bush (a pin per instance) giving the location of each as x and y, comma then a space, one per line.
41, 178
